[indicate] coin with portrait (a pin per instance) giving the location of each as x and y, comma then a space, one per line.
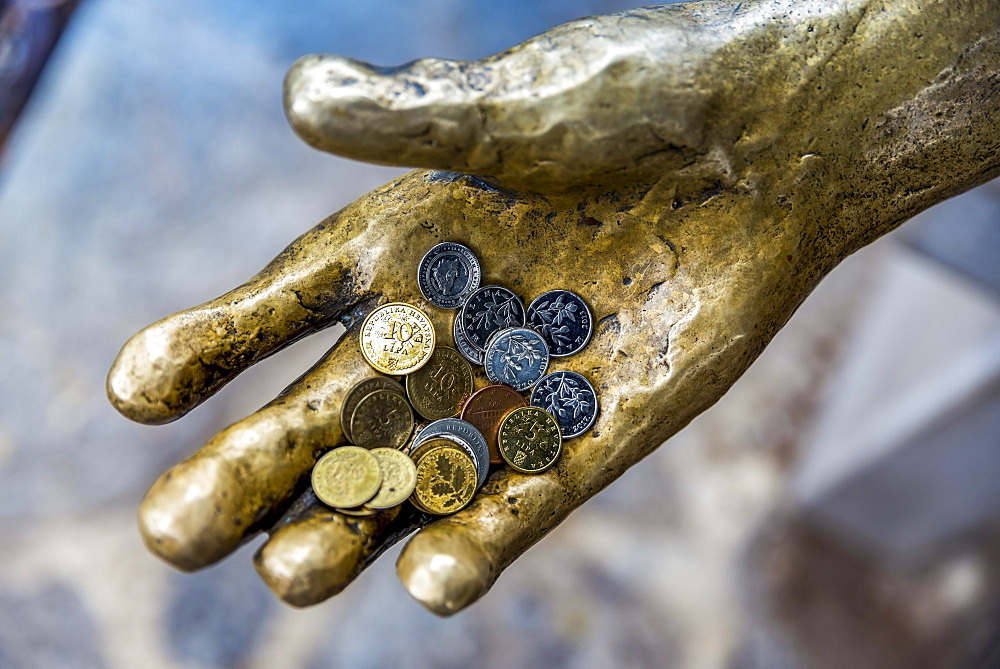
447, 274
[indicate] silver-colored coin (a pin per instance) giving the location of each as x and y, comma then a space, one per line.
464, 432
481, 470
447, 274
517, 357
487, 310
468, 351
564, 319
570, 398
494, 336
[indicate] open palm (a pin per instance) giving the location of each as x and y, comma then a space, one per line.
623, 165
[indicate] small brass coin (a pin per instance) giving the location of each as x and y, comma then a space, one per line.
382, 418
438, 389
359, 511
419, 448
397, 338
360, 390
346, 477
529, 439
399, 477
446, 479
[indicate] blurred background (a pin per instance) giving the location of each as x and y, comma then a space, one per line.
840, 507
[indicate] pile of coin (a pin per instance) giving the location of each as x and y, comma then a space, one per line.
513, 344
449, 458
360, 482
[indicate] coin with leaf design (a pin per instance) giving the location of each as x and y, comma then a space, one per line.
517, 357
487, 310
466, 435
563, 319
570, 398
446, 478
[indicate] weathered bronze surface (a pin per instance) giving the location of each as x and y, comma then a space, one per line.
699, 167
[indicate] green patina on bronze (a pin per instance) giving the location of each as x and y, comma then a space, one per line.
692, 171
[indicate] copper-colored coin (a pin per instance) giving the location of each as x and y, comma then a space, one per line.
382, 418
399, 476
486, 408
346, 477
530, 440
438, 389
397, 338
361, 390
446, 479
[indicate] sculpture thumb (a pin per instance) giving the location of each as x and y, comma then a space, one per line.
591, 101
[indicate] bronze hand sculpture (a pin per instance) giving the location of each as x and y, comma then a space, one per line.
692, 170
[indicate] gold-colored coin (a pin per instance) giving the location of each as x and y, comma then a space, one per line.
418, 448
438, 389
446, 479
358, 511
382, 418
360, 390
529, 439
346, 477
397, 338
399, 477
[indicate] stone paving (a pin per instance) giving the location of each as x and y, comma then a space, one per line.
154, 170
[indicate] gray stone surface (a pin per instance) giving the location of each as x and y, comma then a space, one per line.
49, 629
215, 617
963, 234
